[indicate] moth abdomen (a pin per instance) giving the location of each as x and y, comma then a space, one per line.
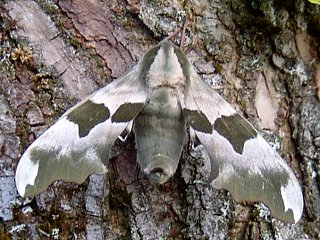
160, 131
159, 141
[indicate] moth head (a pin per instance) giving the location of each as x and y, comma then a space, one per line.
160, 169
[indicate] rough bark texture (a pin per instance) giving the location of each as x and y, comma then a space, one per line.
265, 57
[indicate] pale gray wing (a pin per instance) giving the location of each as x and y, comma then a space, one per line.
79, 143
242, 161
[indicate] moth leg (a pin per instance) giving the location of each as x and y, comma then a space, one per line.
124, 135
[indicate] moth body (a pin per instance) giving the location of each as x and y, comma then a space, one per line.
159, 140
160, 127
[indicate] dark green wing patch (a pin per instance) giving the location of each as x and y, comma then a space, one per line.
126, 112
264, 187
198, 120
236, 129
88, 115
74, 166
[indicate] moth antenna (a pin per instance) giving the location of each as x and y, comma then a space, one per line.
177, 31
172, 35
183, 34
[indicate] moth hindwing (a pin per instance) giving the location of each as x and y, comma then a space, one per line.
159, 98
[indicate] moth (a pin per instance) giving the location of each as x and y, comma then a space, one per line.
158, 99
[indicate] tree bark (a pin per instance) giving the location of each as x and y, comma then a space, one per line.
263, 57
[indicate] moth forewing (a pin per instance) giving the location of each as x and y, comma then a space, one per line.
78, 144
247, 165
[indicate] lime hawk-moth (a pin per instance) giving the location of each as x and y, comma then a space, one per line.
158, 99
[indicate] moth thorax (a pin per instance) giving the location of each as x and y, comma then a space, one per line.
160, 169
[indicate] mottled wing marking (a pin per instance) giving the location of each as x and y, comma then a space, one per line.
198, 120
236, 129
88, 115
126, 112
78, 144
241, 160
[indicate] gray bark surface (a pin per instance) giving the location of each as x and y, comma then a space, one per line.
263, 57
